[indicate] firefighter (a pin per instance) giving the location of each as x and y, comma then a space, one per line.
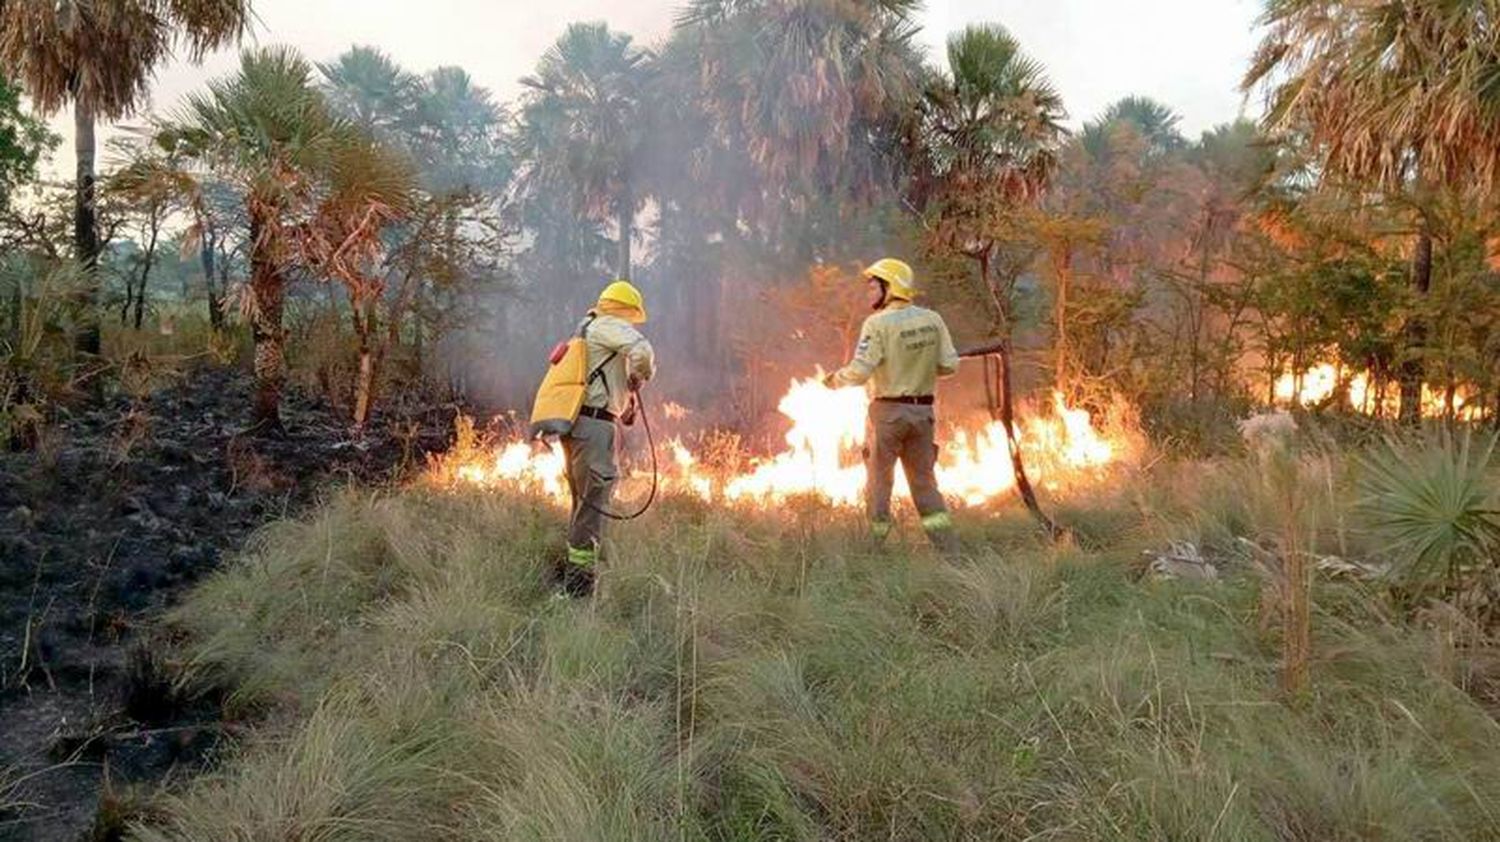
619, 361
903, 350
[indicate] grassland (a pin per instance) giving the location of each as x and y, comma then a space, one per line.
767, 674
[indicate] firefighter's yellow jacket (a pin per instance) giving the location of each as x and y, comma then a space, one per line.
633, 357
902, 351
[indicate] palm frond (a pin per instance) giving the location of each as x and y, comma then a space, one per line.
1435, 504
104, 53
1387, 92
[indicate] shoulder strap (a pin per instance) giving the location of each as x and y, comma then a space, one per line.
598, 372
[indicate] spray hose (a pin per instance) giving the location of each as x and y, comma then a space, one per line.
640, 404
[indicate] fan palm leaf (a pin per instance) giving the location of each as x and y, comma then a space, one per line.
1435, 505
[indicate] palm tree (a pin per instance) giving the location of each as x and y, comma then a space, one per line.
991, 130
268, 131
367, 86
992, 127
100, 57
459, 141
581, 129
368, 186
996, 117
1396, 95
1129, 169
1155, 122
814, 93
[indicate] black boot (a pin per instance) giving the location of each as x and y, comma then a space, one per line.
556, 574
577, 581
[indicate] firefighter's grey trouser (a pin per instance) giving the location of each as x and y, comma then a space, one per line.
592, 470
905, 432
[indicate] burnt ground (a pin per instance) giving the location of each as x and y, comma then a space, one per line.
126, 504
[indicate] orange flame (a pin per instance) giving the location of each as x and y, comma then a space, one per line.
823, 456
1319, 383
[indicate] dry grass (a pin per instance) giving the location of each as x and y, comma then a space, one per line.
750, 675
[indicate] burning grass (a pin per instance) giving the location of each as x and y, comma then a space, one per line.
764, 674
1063, 446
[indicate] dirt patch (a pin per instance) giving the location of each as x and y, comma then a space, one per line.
101, 530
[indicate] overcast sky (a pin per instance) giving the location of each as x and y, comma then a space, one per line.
1187, 53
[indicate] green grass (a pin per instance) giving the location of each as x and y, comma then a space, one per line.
748, 676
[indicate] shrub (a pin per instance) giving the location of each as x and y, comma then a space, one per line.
1434, 503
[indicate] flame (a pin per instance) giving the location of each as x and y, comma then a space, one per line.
519, 464
823, 457
1321, 382
827, 427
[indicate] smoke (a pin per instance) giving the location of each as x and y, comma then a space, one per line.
749, 259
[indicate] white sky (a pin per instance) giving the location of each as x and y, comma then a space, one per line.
1187, 53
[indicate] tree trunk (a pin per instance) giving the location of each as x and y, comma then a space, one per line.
140, 304
1006, 413
1413, 369
86, 228
364, 332
146, 265
364, 378
363, 388
1002, 396
267, 292
226, 265
627, 229
417, 340
206, 253
1062, 262
405, 301
129, 299
1195, 324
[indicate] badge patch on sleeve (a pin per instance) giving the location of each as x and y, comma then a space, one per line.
864, 345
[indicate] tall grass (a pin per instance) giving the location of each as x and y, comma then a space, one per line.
35, 355
752, 675
177, 331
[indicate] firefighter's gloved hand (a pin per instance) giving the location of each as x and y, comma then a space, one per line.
635, 383
831, 380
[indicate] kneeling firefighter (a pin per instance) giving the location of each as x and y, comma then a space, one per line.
903, 350
588, 392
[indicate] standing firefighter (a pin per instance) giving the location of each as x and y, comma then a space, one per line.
903, 350
589, 391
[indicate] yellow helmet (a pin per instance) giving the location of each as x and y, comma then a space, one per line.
897, 276
624, 294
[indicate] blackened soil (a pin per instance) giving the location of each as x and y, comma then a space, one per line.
125, 505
